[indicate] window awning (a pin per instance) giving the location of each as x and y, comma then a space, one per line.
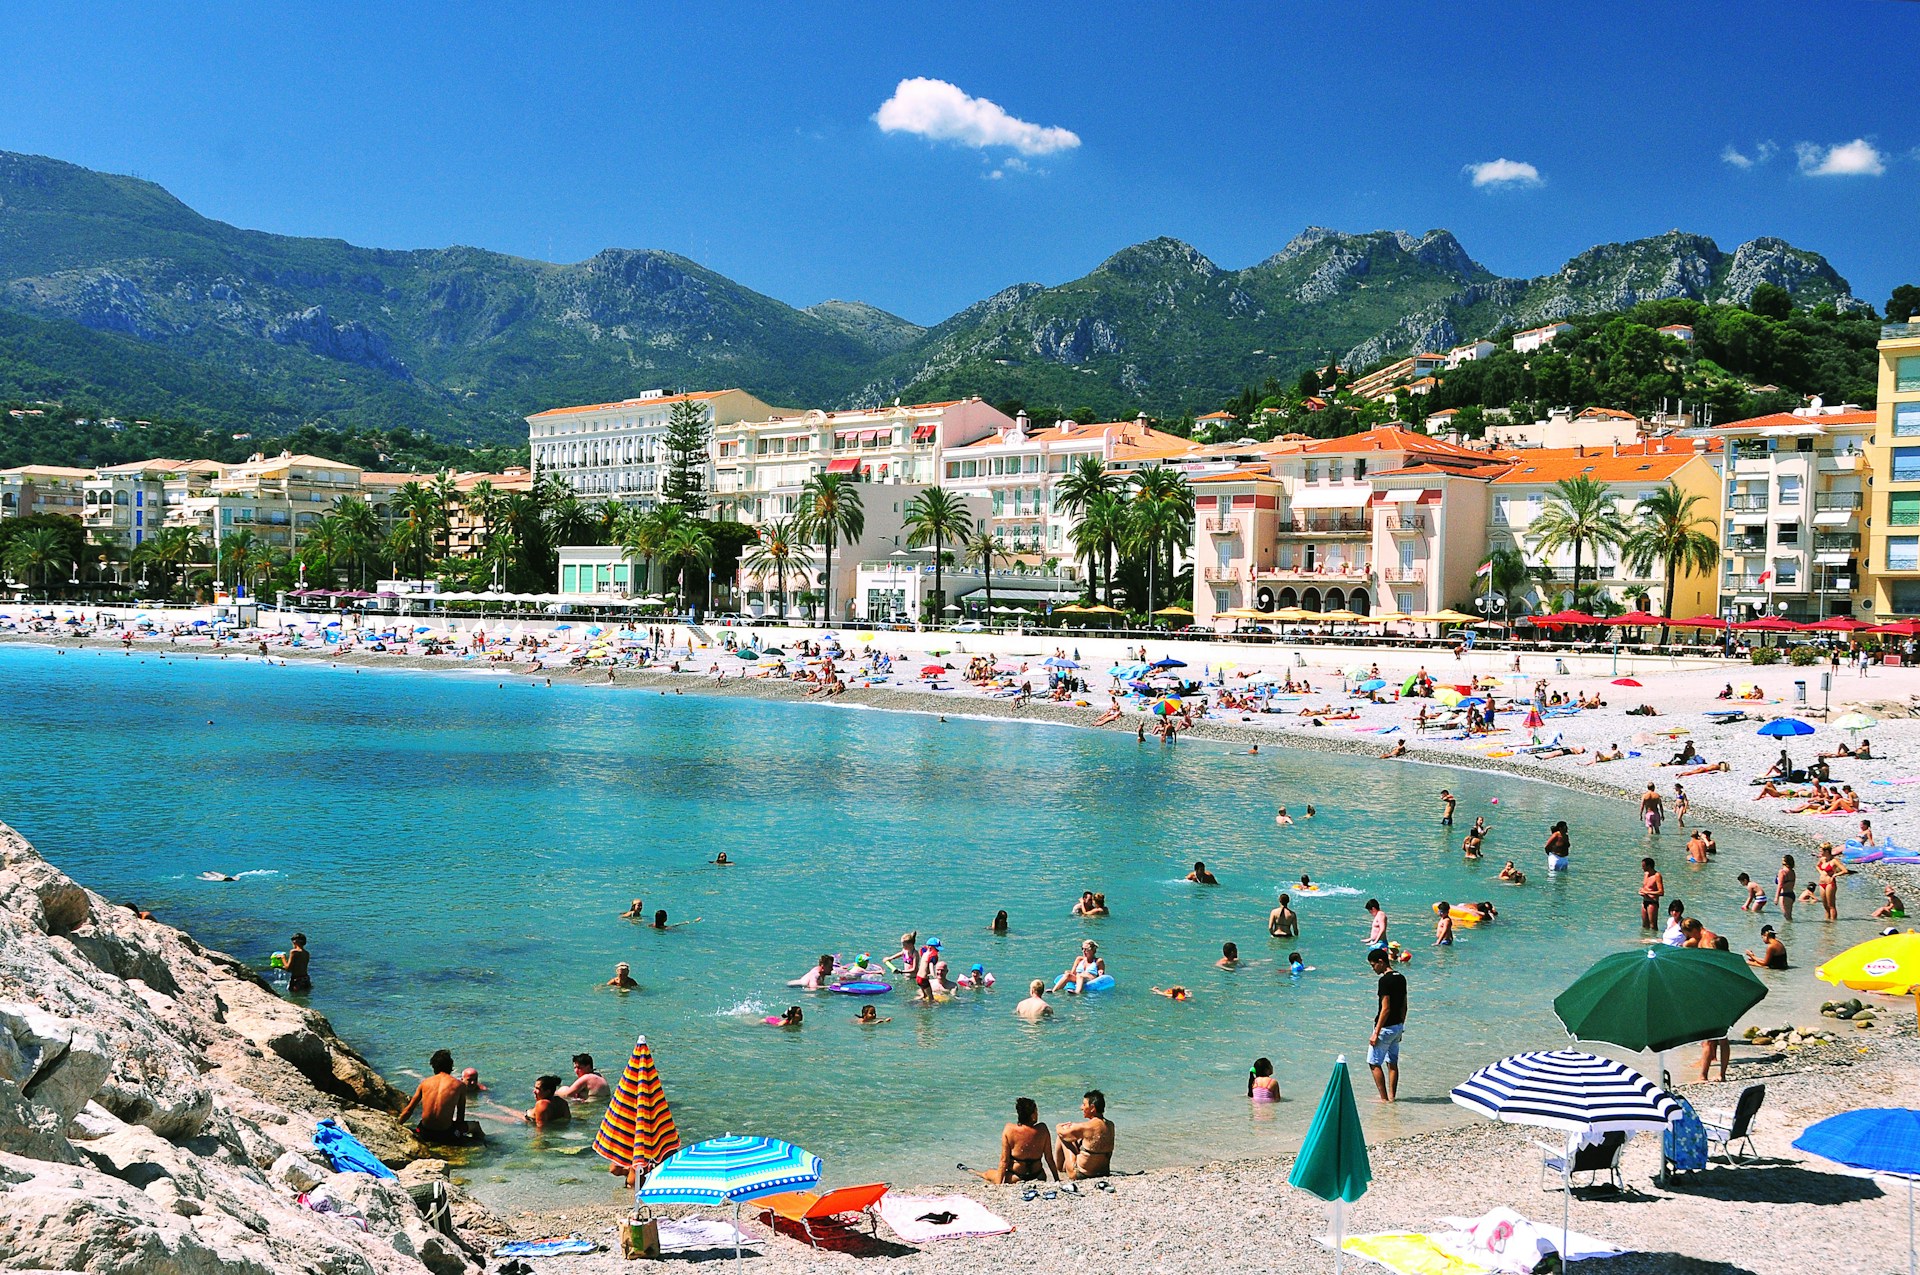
845, 465
1833, 517
870, 435
1750, 519
1330, 497
1832, 558
1402, 496
921, 432
847, 435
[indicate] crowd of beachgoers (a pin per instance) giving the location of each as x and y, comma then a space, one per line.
1680, 740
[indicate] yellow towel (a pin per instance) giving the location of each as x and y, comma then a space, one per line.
1411, 1254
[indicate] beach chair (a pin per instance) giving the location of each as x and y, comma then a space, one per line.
1596, 1159
1728, 1127
836, 1210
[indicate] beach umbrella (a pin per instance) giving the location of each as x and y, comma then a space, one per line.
1167, 706
1167, 661
1446, 696
1339, 617
1890, 963
1768, 624
1333, 1163
1698, 622
637, 1125
1782, 727
1059, 661
1624, 681
731, 1169
1289, 615
1372, 684
1836, 624
1559, 618
1444, 617
1578, 1093
1471, 701
1175, 609
1534, 720
1659, 999
1857, 721
1872, 1140
933, 670
1635, 620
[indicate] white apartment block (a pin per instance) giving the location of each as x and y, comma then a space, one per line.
760, 464
1534, 338
618, 450
1468, 353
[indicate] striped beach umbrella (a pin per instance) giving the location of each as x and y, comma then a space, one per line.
637, 1124
1581, 1094
731, 1169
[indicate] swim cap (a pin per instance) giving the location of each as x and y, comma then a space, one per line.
979, 969
934, 944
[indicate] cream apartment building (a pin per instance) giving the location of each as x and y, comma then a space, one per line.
1893, 456
618, 450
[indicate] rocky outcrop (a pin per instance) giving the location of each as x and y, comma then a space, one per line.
158, 1101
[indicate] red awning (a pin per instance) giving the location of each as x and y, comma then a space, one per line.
869, 435
921, 432
845, 465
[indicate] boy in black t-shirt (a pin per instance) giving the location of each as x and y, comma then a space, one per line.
1389, 1021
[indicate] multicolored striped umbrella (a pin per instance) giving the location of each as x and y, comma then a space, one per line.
730, 1170
637, 1124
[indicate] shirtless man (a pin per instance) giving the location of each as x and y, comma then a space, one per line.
622, 978
1086, 1146
442, 1102
1200, 875
1653, 887
1283, 922
1026, 1147
548, 1108
588, 1085
1377, 930
1035, 1007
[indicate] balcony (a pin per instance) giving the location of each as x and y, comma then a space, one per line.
1328, 525
1747, 503
1345, 571
1829, 540
1843, 463
1404, 575
1836, 500
1406, 524
1900, 331
1220, 526
1220, 575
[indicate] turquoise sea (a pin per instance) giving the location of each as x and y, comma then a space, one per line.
459, 853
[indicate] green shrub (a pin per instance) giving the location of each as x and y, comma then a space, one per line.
1764, 655
1802, 656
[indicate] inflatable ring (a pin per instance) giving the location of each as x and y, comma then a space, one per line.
1460, 917
861, 989
1102, 984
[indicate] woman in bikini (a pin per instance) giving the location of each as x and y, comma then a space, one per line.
1784, 885
1026, 1147
1829, 877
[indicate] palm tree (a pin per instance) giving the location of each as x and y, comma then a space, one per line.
39, 549
1075, 493
1667, 529
247, 555
446, 494
1580, 513
605, 519
830, 513
1100, 530
169, 551
987, 547
358, 534
937, 515
779, 550
568, 519
1160, 514
687, 544
419, 509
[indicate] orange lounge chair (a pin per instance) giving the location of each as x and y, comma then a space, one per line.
805, 1209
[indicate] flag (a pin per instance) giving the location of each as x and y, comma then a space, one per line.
1766, 575
1486, 569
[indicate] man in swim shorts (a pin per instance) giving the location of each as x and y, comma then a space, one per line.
442, 1103
298, 980
1377, 931
1035, 1007
1086, 1146
1389, 1023
1447, 803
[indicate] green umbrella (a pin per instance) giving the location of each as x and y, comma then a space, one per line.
1660, 998
1332, 1163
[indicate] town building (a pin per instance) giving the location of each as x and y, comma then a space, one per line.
277, 498
42, 489
466, 522
124, 504
1795, 487
1469, 352
618, 450
1893, 458
1400, 375
1533, 338
1564, 428
761, 464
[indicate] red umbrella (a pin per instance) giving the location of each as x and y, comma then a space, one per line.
1636, 619
1624, 681
1568, 617
1699, 622
1836, 624
1904, 628
1768, 624
933, 670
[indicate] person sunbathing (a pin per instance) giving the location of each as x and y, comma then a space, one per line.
1753, 692
1026, 1148
1771, 789
1563, 750
1399, 749
1707, 769
1687, 756
1604, 755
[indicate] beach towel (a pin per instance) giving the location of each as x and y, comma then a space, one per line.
1507, 1241
1411, 1254
907, 1215
680, 1235
345, 1152
554, 1246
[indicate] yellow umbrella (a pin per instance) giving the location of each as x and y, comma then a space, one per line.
1104, 609
1243, 613
1071, 607
1175, 609
1385, 617
637, 1124
1338, 617
1444, 617
1890, 963
1290, 614
1447, 696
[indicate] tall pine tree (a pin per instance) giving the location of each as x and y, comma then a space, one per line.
685, 485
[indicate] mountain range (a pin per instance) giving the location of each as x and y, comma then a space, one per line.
113, 290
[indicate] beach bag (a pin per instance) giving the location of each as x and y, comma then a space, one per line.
1684, 1142
640, 1237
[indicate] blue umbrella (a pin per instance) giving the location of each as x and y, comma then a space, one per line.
730, 1169
1784, 726
1167, 661
1373, 684
1875, 1140
1471, 701
1055, 661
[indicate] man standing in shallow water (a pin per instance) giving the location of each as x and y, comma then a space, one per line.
1389, 1023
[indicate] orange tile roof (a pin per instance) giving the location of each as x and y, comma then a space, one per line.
1389, 438
1556, 464
1788, 418
1612, 413
633, 402
1246, 473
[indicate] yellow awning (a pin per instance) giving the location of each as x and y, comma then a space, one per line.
1445, 617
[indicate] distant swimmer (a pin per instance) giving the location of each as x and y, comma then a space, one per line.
721, 861
792, 1018
1200, 875
1282, 818
1306, 886
1035, 1006
1296, 964
1174, 993
999, 925
1512, 875
622, 978
870, 1016
217, 876
1253, 751
1229, 957
1309, 810
660, 921
634, 913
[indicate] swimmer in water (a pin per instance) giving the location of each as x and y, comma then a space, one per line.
1174, 993
1282, 818
634, 913
1229, 957
1283, 922
870, 1016
1296, 964
1306, 886
792, 1018
1200, 875
1253, 751
622, 979
1512, 875
660, 922
721, 861
216, 876
1309, 810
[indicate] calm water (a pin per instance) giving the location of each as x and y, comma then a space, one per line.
459, 853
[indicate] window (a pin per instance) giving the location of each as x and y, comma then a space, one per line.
1903, 509
1906, 464
1313, 471
569, 579
1789, 489
1903, 553
1033, 465
1906, 420
953, 469
968, 468
1359, 470
1906, 374
1787, 533
1786, 573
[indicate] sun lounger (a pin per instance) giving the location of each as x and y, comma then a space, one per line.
1725, 1128
830, 1209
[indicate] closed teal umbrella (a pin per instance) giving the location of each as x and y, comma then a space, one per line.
1332, 1163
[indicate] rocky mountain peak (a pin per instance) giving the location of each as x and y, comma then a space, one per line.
1160, 256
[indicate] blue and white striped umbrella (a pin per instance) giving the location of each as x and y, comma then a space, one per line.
1568, 1090
730, 1170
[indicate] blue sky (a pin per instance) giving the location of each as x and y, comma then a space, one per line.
746, 137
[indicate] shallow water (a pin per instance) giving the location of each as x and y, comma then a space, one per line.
459, 852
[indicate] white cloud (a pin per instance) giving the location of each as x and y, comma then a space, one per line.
1857, 158
1762, 152
941, 112
1504, 172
